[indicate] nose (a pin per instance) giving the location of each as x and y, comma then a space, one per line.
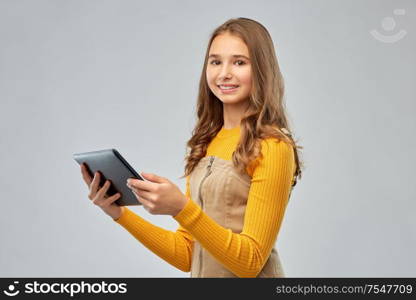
225, 71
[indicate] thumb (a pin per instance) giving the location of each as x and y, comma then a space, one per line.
153, 177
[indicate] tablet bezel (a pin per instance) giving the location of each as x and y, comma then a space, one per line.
128, 198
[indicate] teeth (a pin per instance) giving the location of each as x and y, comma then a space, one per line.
228, 87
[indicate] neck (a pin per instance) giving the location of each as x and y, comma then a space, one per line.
233, 113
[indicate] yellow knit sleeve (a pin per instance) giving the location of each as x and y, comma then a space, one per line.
174, 247
245, 253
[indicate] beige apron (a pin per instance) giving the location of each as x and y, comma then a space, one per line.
222, 193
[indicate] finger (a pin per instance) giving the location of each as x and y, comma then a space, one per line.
94, 185
143, 200
101, 193
143, 185
100, 196
111, 199
144, 194
154, 178
147, 208
85, 175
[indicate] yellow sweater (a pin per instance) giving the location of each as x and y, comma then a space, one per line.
243, 253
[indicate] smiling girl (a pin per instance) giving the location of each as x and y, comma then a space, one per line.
240, 170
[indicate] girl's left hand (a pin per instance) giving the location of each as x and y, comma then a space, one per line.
158, 195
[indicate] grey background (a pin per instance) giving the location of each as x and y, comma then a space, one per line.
86, 75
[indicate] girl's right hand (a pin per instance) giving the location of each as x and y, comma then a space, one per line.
98, 195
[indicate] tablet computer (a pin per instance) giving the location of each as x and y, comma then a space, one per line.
114, 167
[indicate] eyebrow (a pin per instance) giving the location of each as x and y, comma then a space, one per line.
235, 55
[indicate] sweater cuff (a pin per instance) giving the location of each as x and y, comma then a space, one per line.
125, 216
190, 214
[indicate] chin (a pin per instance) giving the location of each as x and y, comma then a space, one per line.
231, 100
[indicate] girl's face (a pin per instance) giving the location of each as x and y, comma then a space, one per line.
229, 64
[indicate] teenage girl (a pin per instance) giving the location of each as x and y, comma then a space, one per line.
240, 169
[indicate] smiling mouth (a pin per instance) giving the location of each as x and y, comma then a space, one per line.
228, 88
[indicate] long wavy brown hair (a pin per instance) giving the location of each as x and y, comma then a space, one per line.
266, 113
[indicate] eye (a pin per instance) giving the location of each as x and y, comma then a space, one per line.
213, 62
240, 62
